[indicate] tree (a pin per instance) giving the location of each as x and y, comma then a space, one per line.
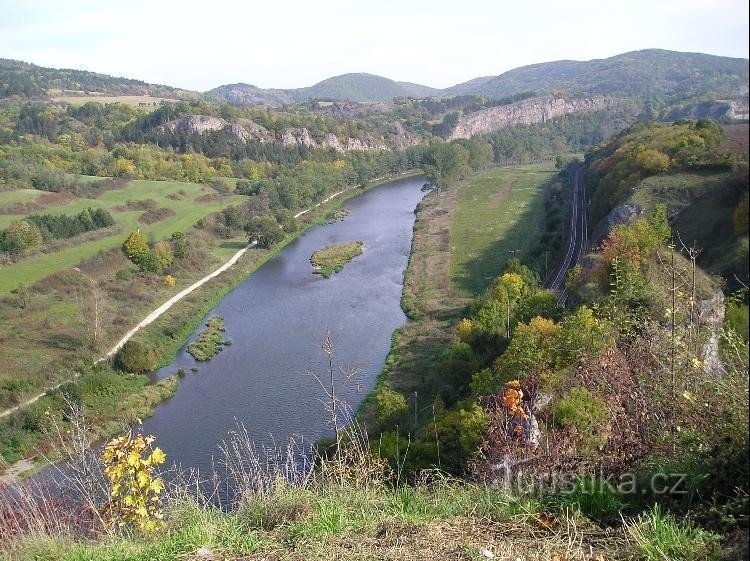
21, 236
286, 219
180, 245
164, 255
534, 349
135, 357
135, 246
264, 230
233, 218
445, 163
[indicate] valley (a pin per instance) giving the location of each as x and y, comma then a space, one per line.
367, 314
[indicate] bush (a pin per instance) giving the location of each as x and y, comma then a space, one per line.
584, 412
135, 357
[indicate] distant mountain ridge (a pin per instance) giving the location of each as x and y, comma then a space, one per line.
359, 87
650, 72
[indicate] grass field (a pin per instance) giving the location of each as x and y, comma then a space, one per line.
144, 101
183, 198
498, 215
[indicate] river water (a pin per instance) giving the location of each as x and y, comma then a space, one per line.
277, 319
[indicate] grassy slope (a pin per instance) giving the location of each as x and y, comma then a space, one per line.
498, 213
447, 520
705, 215
188, 211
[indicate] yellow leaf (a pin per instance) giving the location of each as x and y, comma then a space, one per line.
158, 456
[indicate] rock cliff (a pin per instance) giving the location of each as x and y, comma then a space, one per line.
526, 112
200, 124
302, 137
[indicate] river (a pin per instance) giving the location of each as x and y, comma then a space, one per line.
277, 319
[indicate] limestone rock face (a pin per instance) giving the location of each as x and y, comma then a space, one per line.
302, 137
711, 315
526, 112
200, 124
396, 136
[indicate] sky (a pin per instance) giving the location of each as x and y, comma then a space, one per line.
287, 44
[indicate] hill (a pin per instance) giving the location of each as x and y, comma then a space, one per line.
646, 72
29, 80
359, 87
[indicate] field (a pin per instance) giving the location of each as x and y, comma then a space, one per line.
135, 100
498, 215
190, 202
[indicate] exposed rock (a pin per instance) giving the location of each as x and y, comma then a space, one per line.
363, 144
623, 214
302, 137
200, 124
711, 315
526, 112
330, 140
396, 136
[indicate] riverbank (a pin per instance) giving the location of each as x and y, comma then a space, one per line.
167, 334
462, 238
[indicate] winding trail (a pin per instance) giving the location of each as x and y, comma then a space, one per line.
577, 240
150, 318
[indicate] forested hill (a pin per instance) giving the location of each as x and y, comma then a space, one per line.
646, 72
359, 87
29, 80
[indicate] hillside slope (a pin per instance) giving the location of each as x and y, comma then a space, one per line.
29, 80
646, 72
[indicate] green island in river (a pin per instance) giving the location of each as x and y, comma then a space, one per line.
332, 259
210, 342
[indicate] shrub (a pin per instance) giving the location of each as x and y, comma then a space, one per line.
135, 357
584, 412
129, 466
391, 406
135, 246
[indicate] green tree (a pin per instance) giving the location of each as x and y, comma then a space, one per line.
264, 230
286, 219
21, 236
391, 406
164, 255
135, 357
445, 163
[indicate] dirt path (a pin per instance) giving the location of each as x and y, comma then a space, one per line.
159, 311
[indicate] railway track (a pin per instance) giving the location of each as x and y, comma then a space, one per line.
577, 240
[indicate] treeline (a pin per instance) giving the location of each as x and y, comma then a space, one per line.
29, 80
570, 133
60, 226
31, 232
